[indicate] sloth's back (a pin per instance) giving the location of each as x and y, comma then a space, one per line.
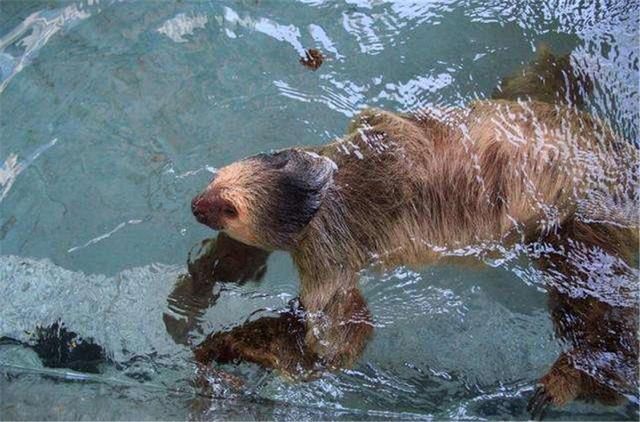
464, 175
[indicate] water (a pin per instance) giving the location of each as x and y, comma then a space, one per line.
114, 114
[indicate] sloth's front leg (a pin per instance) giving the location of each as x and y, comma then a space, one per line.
299, 344
272, 342
338, 331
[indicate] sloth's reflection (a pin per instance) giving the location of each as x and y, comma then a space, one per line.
220, 259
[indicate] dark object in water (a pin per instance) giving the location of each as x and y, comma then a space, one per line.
61, 348
313, 59
225, 259
58, 347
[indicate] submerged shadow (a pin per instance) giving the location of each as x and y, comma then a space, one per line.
59, 347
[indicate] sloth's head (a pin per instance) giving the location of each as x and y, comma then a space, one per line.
266, 200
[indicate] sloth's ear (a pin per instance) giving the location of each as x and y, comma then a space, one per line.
310, 170
307, 170
305, 179
302, 182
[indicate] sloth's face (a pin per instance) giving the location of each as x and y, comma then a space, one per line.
266, 200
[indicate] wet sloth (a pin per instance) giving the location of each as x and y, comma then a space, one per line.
540, 180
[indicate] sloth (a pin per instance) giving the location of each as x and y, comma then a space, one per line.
527, 177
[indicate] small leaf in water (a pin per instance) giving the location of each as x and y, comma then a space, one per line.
313, 59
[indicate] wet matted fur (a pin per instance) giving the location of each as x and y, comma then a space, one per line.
546, 180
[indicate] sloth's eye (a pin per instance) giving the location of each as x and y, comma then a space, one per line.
230, 211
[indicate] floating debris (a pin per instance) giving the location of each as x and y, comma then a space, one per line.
313, 59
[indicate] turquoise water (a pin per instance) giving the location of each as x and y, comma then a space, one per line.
113, 115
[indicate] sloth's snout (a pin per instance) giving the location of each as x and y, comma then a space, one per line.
197, 208
205, 211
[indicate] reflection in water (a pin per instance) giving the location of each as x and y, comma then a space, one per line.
12, 168
222, 259
182, 25
34, 33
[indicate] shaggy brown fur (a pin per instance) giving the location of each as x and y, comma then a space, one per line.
498, 177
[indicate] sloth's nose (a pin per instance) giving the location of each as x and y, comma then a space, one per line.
198, 208
204, 209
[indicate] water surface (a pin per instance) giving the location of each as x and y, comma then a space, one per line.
114, 114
